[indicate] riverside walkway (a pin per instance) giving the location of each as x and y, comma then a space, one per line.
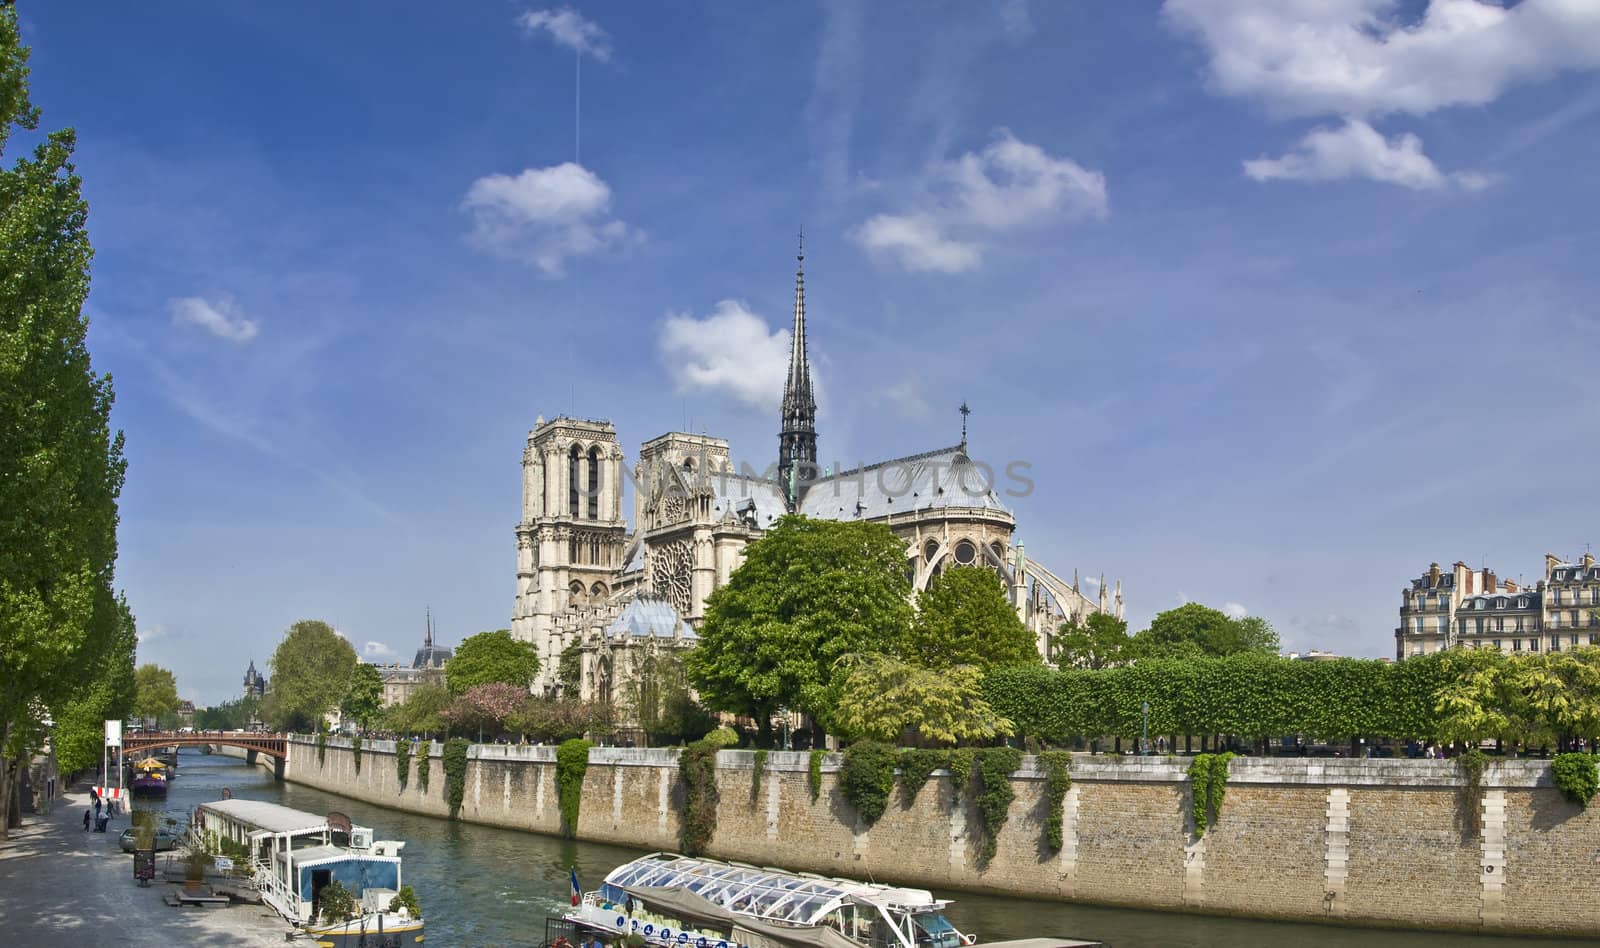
61, 886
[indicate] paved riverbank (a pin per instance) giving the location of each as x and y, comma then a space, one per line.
61, 886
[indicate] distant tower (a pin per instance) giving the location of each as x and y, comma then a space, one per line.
797, 440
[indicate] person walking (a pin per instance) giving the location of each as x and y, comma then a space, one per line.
97, 808
86, 818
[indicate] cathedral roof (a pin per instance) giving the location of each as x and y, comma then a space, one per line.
940, 478
650, 618
736, 494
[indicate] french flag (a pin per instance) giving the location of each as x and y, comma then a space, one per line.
577, 893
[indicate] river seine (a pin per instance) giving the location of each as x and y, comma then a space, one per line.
482, 887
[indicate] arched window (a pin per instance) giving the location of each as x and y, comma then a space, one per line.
572, 481
594, 549
594, 484
576, 589
930, 550
597, 592
965, 553
572, 550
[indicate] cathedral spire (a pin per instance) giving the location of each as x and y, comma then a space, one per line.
427, 636
797, 437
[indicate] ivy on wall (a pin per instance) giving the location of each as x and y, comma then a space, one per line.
814, 774
455, 773
424, 764
572, 762
1057, 767
697, 766
867, 777
402, 762
1208, 784
756, 768
1576, 777
355, 750
995, 765
916, 766
1469, 813
960, 765
322, 748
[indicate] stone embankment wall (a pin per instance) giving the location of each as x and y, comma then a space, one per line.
1373, 842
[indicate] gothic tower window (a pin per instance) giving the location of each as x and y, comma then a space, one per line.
572, 550
594, 549
572, 481
594, 486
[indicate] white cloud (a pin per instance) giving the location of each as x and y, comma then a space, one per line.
1364, 57
731, 351
545, 216
1357, 150
378, 652
1235, 610
916, 242
905, 398
221, 318
1007, 186
567, 27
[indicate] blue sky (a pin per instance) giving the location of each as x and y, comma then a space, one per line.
1281, 301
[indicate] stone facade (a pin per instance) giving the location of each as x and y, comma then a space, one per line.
1474, 609
580, 561
1374, 842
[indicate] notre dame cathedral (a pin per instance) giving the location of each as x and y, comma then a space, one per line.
585, 576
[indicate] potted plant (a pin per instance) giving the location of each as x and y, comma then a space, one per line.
194, 869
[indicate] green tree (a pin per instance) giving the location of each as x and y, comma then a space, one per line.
80, 721
227, 716
662, 701
61, 465
808, 593
421, 713
887, 699
1480, 698
570, 669
155, 692
310, 675
490, 657
364, 699
1100, 641
1193, 630
963, 618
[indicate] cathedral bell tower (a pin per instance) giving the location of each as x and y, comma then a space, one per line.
797, 437
572, 535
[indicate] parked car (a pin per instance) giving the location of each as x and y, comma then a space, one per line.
165, 839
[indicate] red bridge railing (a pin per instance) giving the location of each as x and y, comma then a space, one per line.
273, 745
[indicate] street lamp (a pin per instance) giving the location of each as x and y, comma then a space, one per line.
1144, 741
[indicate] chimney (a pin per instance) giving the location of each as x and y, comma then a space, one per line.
1488, 581
1433, 575
1588, 560
1511, 585
1550, 563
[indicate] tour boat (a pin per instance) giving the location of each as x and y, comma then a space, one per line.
678, 901
294, 855
149, 778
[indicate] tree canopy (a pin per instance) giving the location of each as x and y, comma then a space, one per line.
310, 676
662, 702
421, 713
808, 593
887, 699
964, 618
155, 691
1100, 641
1193, 630
490, 657
61, 465
364, 698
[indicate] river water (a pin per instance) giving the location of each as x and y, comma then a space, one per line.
483, 887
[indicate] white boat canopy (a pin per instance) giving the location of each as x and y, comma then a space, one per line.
772, 894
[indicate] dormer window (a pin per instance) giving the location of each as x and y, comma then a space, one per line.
1522, 603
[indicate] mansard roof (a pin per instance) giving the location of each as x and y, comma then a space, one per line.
650, 618
738, 493
941, 478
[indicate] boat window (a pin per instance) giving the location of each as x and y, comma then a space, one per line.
935, 931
